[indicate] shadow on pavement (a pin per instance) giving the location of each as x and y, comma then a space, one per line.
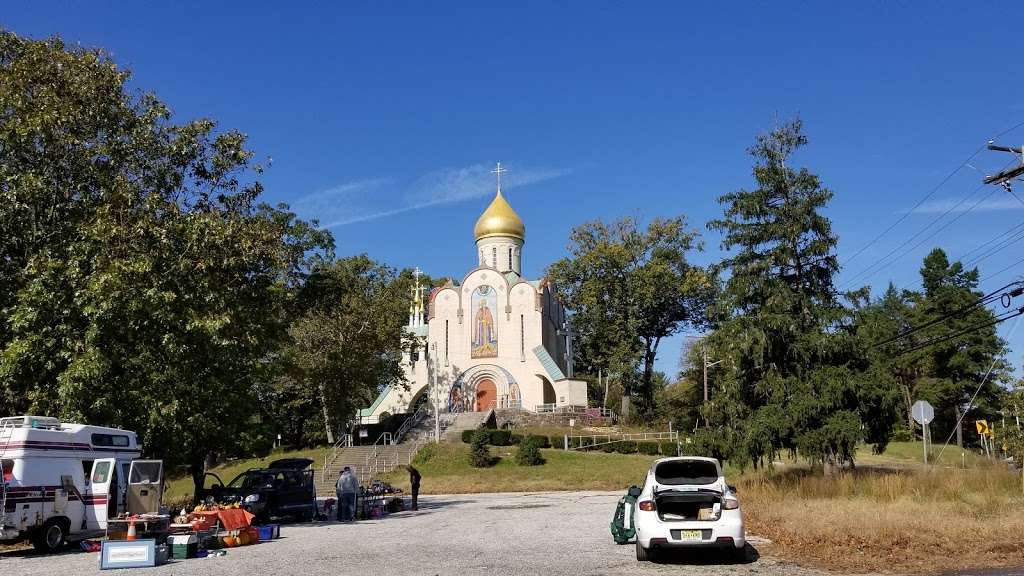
706, 556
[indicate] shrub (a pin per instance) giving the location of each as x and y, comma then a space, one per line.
556, 442
626, 447
540, 441
479, 454
609, 447
467, 436
648, 448
426, 453
529, 452
515, 438
669, 449
500, 437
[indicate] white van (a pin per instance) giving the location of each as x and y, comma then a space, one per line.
63, 481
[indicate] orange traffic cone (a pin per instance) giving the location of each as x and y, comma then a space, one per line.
131, 529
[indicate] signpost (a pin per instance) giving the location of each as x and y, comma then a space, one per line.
923, 414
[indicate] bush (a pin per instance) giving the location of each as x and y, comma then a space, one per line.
609, 447
529, 452
648, 448
515, 438
500, 437
467, 436
626, 447
669, 449
556, 442
479, 454
426, 454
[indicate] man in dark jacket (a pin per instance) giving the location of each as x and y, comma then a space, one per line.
414, 480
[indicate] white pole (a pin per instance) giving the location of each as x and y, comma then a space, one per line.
924, 441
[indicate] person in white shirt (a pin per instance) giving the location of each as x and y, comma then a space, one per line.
346, 488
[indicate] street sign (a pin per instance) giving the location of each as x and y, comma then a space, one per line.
922, 412
982, 426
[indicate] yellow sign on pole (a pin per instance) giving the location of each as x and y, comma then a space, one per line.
982, 426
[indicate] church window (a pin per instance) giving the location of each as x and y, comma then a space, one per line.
414, 354
510, 266
522, 339
494, 256
445, 342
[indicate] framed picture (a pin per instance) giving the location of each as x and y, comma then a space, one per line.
127, 554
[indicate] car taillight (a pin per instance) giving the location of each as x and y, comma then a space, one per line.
646, 505
731, 504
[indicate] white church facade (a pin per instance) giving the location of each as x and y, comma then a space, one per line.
494, 340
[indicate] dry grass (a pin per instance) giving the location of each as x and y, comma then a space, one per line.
915, 520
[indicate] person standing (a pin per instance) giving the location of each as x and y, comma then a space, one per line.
346, 491
414, 481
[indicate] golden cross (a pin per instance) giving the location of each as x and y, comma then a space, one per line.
498, 170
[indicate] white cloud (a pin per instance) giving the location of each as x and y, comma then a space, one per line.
955, 205
364, 200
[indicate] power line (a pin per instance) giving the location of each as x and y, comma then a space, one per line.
987, 298
997, 238
993, 251
940, 339
928, 195
885, 262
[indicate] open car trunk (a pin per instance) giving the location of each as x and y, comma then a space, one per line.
672, 505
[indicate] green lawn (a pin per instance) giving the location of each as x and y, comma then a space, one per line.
908, 453
446, 470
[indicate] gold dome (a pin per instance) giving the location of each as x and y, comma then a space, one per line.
499, 220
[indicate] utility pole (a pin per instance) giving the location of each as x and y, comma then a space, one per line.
706, 366
1003, 178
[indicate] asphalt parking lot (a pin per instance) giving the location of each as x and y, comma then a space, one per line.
542, 534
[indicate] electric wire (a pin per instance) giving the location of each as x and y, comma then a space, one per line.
972, 262
930, 193
940, 339
885, 262
985, 299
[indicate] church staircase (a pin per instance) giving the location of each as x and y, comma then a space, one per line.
370, 462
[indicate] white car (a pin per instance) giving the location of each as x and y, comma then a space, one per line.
686, 503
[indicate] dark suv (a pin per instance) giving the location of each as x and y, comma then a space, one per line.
284, 488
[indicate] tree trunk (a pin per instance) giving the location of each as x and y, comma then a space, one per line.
327, 417
198, 471
959, 428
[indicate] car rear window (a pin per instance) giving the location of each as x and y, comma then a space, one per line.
675, 472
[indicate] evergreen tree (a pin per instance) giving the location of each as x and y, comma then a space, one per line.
528, 453
956, 367
479, 453
793, 375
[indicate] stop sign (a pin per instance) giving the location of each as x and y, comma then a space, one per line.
922, 412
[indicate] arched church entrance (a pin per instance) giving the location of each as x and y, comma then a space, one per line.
486, 394
549, 391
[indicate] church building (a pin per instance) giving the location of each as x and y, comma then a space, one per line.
492, 340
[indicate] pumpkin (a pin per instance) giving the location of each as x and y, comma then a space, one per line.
230, 541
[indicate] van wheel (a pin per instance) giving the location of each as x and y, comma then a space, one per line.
50, 538
643, 554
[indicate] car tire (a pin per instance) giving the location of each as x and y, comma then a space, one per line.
643, 554
51, 536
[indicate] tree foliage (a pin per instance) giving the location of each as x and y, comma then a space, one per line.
142, 284
629, 289
793, 374
343, 346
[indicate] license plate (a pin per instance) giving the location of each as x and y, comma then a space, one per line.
689, 535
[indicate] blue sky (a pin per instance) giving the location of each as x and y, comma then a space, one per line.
383, 119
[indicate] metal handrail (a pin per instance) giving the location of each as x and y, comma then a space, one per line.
411, 421
343, 442
624, 437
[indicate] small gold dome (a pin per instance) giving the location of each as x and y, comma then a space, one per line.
499, 220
